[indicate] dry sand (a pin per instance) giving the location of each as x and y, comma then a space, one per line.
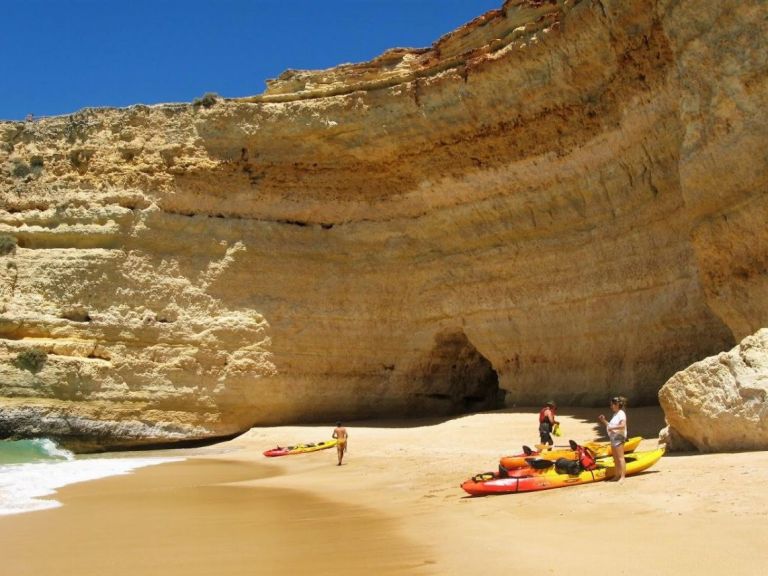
395, 507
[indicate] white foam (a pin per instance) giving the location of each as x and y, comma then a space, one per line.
23, 485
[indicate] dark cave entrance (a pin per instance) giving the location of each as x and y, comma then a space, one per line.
456, 378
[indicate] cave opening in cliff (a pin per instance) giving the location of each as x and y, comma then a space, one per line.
457, 378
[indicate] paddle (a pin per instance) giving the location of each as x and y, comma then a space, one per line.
547, 447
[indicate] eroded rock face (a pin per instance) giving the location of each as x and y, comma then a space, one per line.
721, 403
562, 199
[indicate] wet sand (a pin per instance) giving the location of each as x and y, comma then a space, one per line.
395, 507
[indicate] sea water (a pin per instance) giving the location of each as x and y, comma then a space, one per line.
32, 469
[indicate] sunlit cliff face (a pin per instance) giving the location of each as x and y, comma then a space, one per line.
560, 199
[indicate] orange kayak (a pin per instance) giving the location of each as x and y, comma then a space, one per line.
530, 479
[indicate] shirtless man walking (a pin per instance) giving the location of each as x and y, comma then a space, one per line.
340, 433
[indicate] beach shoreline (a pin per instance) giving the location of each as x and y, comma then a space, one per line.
395, 507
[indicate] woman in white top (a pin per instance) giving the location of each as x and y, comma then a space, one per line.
617, 433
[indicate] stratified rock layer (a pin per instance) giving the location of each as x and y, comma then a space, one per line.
721, 403
560, 199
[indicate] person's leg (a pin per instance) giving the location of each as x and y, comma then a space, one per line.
616, 463
544, 435
621, 463
340, 452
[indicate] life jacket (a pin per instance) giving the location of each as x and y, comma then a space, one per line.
586, 458
543, 418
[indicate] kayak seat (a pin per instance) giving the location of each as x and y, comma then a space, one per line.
539, 463
483, 477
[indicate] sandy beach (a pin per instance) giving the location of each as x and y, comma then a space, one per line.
395, 507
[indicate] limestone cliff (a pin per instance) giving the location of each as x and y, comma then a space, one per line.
559, 199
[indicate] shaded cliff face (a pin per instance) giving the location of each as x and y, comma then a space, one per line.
561, 199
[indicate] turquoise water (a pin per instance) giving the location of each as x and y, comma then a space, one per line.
32, 470
36, 450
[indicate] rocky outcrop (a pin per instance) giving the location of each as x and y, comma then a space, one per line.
720, 404
560, 199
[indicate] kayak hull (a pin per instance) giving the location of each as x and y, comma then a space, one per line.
530, 480
299, 449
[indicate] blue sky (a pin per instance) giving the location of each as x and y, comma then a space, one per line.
58, 56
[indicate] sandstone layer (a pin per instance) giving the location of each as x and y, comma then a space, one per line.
560, 199
720, 404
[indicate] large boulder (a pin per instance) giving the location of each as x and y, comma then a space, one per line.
719, 404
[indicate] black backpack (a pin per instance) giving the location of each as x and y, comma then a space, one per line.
567, 466
584, 455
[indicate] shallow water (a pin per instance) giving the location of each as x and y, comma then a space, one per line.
32, 470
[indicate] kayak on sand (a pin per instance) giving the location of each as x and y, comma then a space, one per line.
531, 479
600, 450
299, 448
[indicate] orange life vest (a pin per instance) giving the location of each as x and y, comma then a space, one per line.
586, 458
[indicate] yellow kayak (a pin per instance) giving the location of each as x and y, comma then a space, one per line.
600, 449
300, 448
604, 448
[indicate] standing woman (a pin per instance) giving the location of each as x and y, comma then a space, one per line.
617, 434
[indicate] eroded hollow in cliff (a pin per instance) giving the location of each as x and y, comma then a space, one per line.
457, 378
